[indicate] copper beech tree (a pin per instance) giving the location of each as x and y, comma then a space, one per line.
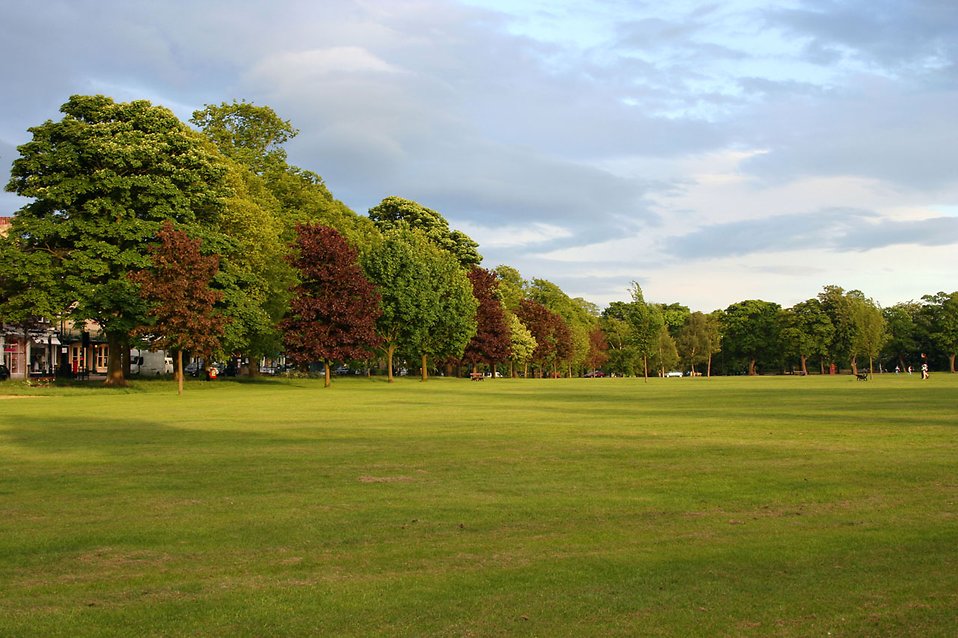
182, 304
492, 343
333, 312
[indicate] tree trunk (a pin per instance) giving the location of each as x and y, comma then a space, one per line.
951, 362
114, 373
871, 365
708, 369
328, 378
425, 370
751, 367
854, 363
645, 368
390, 349
804, 366
179, 372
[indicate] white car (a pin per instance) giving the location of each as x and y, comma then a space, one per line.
673, 373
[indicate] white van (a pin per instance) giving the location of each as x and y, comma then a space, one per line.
145, 362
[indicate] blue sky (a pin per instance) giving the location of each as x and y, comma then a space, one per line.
712, 152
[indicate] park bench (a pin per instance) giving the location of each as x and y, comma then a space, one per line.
476, 376
862, 376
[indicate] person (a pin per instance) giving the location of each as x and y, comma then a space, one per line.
897, 369
924, 371
211, 373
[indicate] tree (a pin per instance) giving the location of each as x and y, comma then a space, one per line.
807, 331
752, 332
646, 321
102, 180
333, 312
598, 349
940, 315
835, 303
905, 332
511, 287
623, 356
181, 302
692, 340
870, 330
713, 337
395, 212
549, 331
492, 340
666, 355
427, 303
576, 314
251, 135
522, 344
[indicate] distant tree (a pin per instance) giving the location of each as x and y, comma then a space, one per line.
522, 345
395, 212
334, 307
576, 314
666, 355
752, 332
807, 331
940, 316
713, 337
692, 340
870, 330
836, 304
675, 316
624, 357
646, 320
905, 330
491, 343
512, 287
549, 332
598, 349
102, 180
427, 303
181, 301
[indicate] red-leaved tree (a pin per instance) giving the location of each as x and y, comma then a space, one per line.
552, 335
491, 343
182, 303
333, 312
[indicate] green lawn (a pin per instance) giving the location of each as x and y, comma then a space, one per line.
777, 506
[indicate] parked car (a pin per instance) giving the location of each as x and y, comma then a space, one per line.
673, 373
595, 374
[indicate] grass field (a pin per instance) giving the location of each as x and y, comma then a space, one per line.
607, 507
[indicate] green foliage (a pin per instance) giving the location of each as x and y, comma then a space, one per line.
396, 212
939, 316
427, 303
103, 179
807, 331
752, 334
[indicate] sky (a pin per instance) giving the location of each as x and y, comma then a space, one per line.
711, 152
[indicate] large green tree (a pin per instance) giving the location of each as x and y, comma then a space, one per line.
807, 331
101, 180
395, 212
427, 303
940, 316
905, 332
752, 333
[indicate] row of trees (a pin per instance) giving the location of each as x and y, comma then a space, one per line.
206, 240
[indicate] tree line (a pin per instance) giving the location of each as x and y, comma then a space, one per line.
204, 239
